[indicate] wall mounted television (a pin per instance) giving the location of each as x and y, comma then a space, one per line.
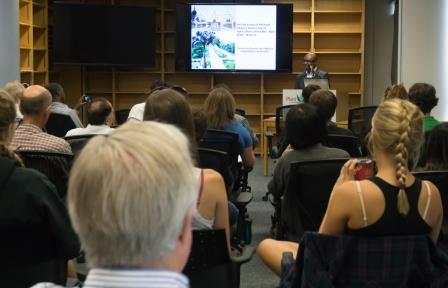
93, 34
234, 37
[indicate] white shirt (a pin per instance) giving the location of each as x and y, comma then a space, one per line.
61, 108
137, 278
137, 111
89, 130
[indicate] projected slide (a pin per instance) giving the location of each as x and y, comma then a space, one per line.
233, 37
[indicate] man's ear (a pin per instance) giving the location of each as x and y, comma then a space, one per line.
46, 113
184, 242
185, 234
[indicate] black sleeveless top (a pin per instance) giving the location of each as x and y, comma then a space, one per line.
392, 222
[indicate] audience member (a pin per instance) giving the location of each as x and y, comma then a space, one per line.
34, 222
169, 106
136, 227
200, 123
220, 110
326, 103
35, 106
137, 110
15, 89
58, 105
424, 96
437, 148
305, 131
311, 71
241, 119
308, 90
100, 117
393, 202
395, 91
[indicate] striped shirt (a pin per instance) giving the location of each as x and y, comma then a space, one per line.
61, 108
135, 279
117, 278
29, 137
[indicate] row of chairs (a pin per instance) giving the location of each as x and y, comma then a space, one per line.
309, 188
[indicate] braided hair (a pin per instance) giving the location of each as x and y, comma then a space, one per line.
398, 128
7, 117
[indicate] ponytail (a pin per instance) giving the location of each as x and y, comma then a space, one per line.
5, 152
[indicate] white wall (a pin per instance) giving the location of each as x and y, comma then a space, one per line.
423, 48
379, 34
9, 41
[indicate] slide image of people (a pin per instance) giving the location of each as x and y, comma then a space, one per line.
213, 32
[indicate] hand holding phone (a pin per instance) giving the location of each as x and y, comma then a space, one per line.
86, 99
364, 169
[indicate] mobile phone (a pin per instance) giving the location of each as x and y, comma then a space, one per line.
87, 99
364, 169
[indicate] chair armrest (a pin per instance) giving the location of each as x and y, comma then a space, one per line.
287, 262
243, 199
242, 256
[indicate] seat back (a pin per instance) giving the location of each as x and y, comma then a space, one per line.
224, 141
360, 121
440, 179
280, 132
121, 115
54, 271
55, 166
59, 124
350, 144
348, 261
77, 143
307, 194
216, 160
209, 263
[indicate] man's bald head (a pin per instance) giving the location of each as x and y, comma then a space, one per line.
311, 57
35, 100
98, 111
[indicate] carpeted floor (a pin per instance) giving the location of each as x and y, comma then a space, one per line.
255, 273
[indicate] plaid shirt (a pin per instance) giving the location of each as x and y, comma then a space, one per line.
347, 261
29, 137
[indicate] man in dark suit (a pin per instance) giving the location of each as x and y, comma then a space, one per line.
311, 71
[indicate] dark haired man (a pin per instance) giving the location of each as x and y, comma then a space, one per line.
326, 102
35, 106
311, 71
305, 131
424, 96
58, 105
308, 90
137, 110
99, 116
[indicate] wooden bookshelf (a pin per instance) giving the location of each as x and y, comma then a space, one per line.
33, 41
332, 29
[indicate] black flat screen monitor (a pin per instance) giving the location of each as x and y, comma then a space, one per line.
234, 37
103, 34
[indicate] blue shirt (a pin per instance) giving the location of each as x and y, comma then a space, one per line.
244, 137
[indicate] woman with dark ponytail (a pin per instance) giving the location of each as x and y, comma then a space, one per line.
391, 203
33, 219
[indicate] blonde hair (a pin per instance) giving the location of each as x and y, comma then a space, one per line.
129, 193
15, 89
397, 128
219, 107
7, 118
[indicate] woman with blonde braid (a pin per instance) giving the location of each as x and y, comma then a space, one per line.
393, 202
34, 222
